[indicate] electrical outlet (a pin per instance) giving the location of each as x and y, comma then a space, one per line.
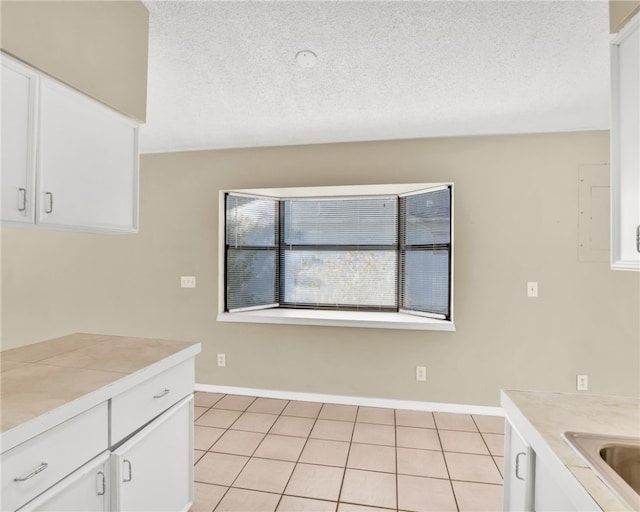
532, 289
188, 282
582, 382
222, 360
421, 373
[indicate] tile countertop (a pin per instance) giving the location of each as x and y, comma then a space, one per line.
549, 415
44, 383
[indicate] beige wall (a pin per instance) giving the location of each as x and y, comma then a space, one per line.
98, 47
516, 220
620, 12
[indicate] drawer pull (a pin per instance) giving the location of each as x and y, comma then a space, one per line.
101, 484
128, 463
164, 393
39, 469
518, 465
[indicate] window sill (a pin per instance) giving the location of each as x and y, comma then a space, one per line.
366, 319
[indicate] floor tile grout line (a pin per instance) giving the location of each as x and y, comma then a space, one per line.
344, 472
373, 506
446, 465
285, 495
476, 482
488, 449
395, 437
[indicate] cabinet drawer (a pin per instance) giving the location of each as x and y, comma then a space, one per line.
35, 465
135, 408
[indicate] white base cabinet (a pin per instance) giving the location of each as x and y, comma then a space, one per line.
153, 470
74, 467
535, 479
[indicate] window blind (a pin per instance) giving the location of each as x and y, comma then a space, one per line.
339, 253
251, 252
425, 253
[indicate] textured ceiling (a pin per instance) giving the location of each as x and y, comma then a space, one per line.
224, 74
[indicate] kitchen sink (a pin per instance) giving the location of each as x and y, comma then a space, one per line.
615, 459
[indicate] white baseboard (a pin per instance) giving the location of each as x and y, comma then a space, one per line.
388, 403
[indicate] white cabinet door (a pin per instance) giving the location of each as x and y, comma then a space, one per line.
625, 148
518, 472
85, 490
87, 163
153, 471
18, 141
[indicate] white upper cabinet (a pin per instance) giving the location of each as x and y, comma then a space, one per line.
19, 89
68, 161
625, 148
87, 163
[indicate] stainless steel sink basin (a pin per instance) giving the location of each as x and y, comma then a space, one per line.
615, 459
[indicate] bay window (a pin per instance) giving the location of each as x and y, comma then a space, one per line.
372, 256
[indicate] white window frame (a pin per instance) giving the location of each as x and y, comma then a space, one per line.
366, 319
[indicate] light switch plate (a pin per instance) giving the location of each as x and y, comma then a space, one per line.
188, 282
532, 289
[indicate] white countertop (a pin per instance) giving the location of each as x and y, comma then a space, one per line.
546, 416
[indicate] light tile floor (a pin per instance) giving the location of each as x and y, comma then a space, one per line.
264, 455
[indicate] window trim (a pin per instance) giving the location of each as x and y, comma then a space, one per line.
366, 319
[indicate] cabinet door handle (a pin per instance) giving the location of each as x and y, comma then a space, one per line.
128, 463
638, 238
22, 199
100, 481
39, 469
518, 465
50, 208
164, 393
